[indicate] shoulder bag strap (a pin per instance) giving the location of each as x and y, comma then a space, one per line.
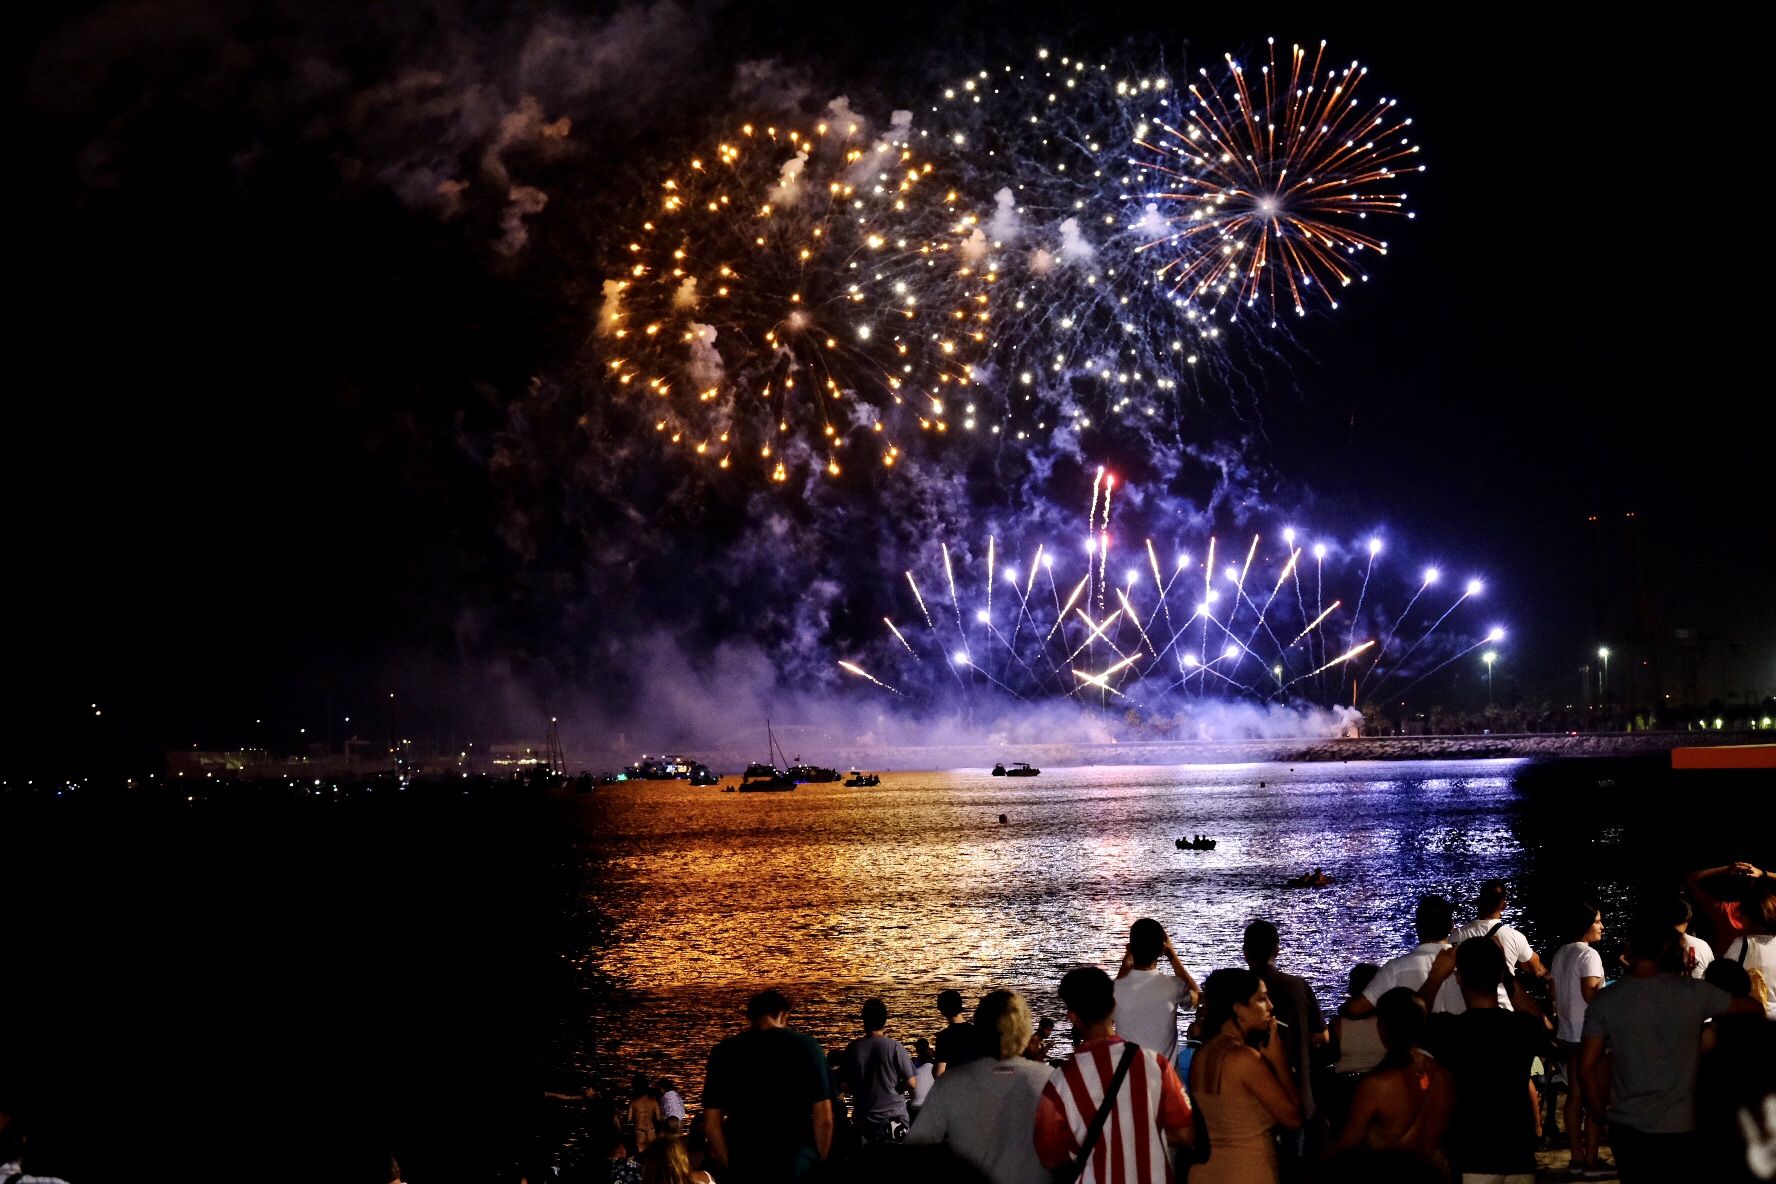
1495, 929
1744, 947
1130, 1051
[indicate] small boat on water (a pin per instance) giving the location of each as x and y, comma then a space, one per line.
702, 775
1022, 769
862, 780
1195, 843
998, 770
765, 776
811, 774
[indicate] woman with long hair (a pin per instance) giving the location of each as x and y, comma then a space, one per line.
667, 1162
1241, 1081
644, 1118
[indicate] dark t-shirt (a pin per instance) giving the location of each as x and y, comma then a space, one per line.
765, 1082
874, 1067
956, 1045
1298, 1007
1488, 1050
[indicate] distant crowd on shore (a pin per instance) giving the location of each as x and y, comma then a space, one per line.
1457, 1060
1445, 1064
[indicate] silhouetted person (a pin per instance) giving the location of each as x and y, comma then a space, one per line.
767, 1100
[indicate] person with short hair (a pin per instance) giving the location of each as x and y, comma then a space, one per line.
1489, 912
1241, 1081
956, 1044
1147, 1001
1489, 1051
880, 1074
1642, 1047
767, 1100
1301, 1027
985, 1110
1038, 1047
1432, 919
1148, 1114
1577, 977
1405, 1103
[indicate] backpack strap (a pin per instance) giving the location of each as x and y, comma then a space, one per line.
1494, 930
1130, 1050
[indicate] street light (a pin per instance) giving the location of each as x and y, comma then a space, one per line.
1603, 687
1489, 657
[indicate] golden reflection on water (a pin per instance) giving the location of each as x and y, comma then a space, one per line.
836, 894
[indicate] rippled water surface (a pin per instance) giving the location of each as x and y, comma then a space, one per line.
696, 897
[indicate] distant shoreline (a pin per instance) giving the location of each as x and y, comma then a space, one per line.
1225, 752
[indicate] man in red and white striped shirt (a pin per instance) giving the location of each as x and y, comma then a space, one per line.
1150, 1109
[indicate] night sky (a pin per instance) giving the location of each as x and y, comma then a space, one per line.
285, 440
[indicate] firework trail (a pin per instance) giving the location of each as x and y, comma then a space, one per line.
1473, 588
862, 673
1264, 187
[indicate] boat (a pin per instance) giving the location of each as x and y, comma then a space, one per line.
1023, 769
702, 775
765, 776
1196, 843
660, 768
815, 774
998, 770
862, 780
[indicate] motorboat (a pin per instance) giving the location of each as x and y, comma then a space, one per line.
811, 774
862, 780
702, 775
1195, 843
1023, 769
998, 770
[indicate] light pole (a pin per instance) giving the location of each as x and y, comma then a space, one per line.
1489, 657
1603, 687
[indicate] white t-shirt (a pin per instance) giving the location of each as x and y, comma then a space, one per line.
1411, 969
1761, 957
986, 1110
1697, 955
1147, 1010
1573, 963
672, 1105
1513, 943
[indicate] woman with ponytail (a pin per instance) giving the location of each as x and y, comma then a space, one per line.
1241, 1082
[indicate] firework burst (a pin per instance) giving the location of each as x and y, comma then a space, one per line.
774, 307
1085, 334
1263, 190
1278, 622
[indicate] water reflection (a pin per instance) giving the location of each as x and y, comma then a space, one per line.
698, 897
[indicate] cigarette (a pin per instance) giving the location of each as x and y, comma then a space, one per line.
1280, 1023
